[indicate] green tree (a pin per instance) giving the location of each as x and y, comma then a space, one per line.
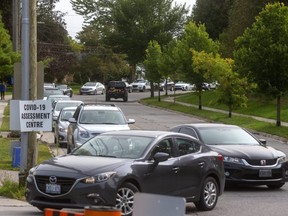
99, 62
214, 14
152, 64
7, 56
129, 25
262, 52
232, 89
194, 38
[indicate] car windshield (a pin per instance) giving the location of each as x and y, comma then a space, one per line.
62, 87
122, 146
66, 114
226, 136
102, 117
90, 84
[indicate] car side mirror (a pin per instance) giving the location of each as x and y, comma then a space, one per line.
160, 157
263, 141
72, 120
131, 121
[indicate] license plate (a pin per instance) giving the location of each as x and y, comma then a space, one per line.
265, 173
53, 188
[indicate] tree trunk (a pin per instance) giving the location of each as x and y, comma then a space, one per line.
230, 112
278, 122
200, 102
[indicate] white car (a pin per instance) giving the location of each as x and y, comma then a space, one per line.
92, 88
183, 86
140, 85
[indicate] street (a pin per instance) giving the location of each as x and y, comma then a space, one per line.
244, 201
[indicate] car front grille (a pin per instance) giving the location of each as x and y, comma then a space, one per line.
262, 162
66, 183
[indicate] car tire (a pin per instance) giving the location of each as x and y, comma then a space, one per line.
125, 198
275, 186
209, 195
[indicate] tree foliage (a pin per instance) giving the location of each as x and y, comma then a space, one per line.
152, 64
7, 56
129, 25
262, 52
214, 14
195, 38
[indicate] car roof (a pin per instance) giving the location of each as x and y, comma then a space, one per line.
205, 125
145, 133
69, 101
100, 107
69, 108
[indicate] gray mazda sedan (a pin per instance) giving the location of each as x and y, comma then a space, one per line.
109, 169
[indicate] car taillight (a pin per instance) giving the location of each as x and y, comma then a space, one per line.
220, 157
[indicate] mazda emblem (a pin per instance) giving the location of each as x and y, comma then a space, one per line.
52, 179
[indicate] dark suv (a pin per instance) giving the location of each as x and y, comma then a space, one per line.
117, 89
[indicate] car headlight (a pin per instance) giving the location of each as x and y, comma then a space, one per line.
32, 170
99, 178
83, 133
62, 129
233, 160
282, 159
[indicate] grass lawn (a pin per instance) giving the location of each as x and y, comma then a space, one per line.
246, 122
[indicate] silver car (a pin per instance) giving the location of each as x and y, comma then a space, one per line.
61, 125
90, 120
92, 88
57, 107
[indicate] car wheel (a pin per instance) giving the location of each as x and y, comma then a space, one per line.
275, 186
95, 92
125, 198
143, 90
209, 195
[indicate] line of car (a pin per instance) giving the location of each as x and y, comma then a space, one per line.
193, 161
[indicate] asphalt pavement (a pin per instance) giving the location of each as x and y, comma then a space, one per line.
48, 137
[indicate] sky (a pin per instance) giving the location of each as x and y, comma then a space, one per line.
74, 21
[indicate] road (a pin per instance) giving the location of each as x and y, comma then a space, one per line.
243, 201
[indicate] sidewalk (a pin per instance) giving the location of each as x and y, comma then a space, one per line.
171, 99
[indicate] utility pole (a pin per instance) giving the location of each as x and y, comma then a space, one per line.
29, 149
32, 137
25, 35
15, 14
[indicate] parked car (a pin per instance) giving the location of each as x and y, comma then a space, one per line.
247, 160
183, 86
140, 85
92, 88
55, 98
116, 89
90, 120
129, 87
58, 105
66, 89
166, 84
110, 168
61, 125
51, 91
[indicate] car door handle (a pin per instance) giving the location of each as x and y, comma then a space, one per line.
175, 169
201, 164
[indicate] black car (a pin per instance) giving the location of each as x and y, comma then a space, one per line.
117, 89
66, 90
110, 168
247, 160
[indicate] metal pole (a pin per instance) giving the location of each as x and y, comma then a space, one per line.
15, 9
25, 34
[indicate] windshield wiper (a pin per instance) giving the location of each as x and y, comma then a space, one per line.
111, 156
